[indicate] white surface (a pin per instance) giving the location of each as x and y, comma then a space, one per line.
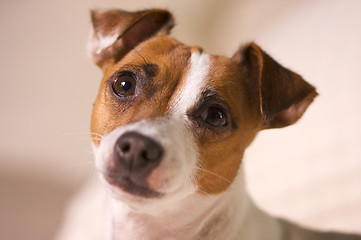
311, 172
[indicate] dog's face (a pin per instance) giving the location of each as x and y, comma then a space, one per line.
170, 120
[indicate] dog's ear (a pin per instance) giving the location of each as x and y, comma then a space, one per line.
281, 95
116, 32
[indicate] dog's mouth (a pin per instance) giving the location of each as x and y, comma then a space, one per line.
126, 184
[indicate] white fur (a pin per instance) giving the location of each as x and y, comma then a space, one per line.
194, 83
192, 217
107, 41
97, 42
173, 177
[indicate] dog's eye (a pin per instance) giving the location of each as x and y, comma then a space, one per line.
215, 116
124, 85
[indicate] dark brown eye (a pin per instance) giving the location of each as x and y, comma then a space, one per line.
215, 116
124, 85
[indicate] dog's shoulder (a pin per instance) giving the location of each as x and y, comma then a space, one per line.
85, 214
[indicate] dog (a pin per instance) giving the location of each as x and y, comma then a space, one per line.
170, 126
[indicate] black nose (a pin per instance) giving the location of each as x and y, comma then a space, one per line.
136, 155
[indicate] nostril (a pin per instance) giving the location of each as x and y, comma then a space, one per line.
149, 155
125, 147
144, 155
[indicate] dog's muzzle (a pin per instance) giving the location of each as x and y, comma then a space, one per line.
134, 157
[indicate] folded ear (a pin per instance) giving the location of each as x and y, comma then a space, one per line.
281, 95
116, 32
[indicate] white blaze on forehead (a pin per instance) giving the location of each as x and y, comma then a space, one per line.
193, 84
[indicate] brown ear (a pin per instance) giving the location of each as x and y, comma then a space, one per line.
116, 32
282, 95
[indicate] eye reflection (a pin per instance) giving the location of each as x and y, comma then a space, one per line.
215, 116
124, 85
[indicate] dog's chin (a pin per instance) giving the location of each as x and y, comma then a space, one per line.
142, 198
126, 188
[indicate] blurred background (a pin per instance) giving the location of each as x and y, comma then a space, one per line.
309, 173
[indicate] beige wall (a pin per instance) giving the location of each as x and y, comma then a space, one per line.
310, 172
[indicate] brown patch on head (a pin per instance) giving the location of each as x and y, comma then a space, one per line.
157, 65
260, 94
221, 149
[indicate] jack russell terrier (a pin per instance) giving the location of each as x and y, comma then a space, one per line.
170, 126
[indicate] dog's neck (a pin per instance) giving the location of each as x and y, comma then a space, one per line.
230, 215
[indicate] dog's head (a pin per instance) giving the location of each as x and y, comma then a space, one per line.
171, 121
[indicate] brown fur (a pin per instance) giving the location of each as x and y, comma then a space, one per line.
221, 153
170, 56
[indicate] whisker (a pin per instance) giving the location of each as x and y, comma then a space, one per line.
214, 174
97, 139
82, 133
145, 61
97, 135
202, 192
90, 135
